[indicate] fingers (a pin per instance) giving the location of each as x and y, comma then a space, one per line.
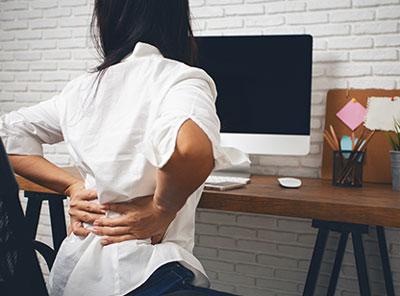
87, 206
107, 240
111, 231
86, 194
83, 216
79, 230
121, 208
113, 222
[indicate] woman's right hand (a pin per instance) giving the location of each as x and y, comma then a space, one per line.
81, 209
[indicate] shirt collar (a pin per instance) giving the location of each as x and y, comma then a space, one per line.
142, 49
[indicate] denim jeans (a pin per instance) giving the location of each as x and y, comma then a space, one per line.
174, 279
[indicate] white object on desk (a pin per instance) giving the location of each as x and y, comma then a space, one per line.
223, 186
232, 179
289, 182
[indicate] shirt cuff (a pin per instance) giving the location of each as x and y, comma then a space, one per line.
22, 145
159, 146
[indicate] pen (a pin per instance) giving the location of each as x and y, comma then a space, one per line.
334, 137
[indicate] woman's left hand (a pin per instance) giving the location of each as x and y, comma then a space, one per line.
140, 218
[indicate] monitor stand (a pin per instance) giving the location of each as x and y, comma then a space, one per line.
242, 170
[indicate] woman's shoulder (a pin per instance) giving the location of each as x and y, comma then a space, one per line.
76, 83
179, 72
182, 69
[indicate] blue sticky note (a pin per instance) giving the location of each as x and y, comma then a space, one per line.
346, 145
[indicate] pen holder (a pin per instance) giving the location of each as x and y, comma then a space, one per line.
348, 168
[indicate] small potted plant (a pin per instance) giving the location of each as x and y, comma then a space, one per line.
395, 155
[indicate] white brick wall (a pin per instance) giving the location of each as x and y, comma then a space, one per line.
44, 44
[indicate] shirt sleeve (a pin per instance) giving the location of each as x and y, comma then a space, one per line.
190, 98
25, 130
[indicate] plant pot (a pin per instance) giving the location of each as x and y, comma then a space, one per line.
395, 160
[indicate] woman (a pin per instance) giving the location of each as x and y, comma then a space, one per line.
144, 134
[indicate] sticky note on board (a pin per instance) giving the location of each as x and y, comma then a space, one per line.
382, 112
352, 114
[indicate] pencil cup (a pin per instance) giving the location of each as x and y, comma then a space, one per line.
348, 168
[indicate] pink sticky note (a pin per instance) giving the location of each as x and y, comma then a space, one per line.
352, 114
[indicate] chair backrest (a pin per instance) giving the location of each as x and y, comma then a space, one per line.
20, 272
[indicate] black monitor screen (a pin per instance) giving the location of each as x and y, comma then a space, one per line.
263, 82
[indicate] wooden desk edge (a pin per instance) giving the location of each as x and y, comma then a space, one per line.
272, 205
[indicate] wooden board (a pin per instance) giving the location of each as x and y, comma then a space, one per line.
377, 164
373, 204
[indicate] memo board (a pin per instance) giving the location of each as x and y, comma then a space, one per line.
377, 162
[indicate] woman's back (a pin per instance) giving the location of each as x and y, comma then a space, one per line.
118, 139
108, 135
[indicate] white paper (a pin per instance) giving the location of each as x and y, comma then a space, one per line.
382, 113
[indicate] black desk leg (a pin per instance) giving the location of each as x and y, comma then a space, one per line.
387, 273
316, 261
356, 230
57, 216
361, 264
338, 263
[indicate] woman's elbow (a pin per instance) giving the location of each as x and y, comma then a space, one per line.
195, 147
200, 157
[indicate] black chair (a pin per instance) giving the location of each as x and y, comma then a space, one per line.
20, 272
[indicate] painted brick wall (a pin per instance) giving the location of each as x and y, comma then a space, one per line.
44, 44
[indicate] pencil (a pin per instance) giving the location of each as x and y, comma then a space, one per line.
369, 137
360, 140
334, 137
329, 141
332, 141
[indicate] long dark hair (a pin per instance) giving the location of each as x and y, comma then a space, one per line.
117, 25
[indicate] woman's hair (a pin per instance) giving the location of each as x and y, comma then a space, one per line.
117, 25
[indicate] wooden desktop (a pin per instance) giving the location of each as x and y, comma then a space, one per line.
373, 204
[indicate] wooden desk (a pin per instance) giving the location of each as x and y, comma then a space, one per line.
348, 211
374, 204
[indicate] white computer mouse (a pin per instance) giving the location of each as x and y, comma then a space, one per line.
289, 182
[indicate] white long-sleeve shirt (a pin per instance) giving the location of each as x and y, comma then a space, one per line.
118, 139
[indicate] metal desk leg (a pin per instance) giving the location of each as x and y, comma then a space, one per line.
344, 229
361, 264
387, 273
316, 261
338, 263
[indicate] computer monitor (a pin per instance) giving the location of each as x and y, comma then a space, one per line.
264, 90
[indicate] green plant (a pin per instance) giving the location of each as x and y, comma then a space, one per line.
395, 139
